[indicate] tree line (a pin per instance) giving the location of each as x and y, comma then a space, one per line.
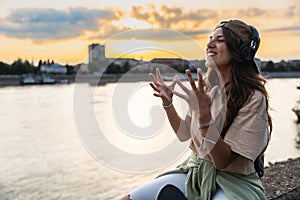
281, 66
20, 67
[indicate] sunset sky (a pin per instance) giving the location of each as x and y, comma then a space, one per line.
62, 30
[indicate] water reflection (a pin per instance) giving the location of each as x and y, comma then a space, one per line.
297, 139
42, 156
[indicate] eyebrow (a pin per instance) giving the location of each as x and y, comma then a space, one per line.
218, 36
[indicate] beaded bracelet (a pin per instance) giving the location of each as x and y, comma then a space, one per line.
207, 124
167, 106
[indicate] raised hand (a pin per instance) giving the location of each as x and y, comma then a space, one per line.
161, 89
198, 100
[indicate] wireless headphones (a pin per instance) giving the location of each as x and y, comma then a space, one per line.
247, 51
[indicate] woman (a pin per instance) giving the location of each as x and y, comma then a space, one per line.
228, 122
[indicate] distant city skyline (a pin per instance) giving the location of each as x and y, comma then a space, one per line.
62, 31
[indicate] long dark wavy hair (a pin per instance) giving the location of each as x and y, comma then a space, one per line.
243, 81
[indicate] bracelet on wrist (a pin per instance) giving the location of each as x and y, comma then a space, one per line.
207, 124
167, 106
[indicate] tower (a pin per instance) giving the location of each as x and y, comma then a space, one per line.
97, 59
96, 52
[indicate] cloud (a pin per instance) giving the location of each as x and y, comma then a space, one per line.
287, 28
251, 12
107, 31
155, 34
196, 21
291, 11
51, 24
172, 17
48, 24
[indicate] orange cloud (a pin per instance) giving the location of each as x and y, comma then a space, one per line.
181, 19
172, 17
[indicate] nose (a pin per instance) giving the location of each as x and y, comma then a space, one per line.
211, 44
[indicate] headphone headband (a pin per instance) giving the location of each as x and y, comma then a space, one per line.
247, 51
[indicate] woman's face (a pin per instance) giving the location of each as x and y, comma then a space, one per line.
217, 52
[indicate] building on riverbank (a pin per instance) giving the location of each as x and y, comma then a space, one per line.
98, 62
53, 68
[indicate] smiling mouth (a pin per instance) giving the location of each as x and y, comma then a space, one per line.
210, 54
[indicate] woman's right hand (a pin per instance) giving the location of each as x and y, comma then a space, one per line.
161, 89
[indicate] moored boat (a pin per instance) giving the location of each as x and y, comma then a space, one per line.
28, 80
48, 80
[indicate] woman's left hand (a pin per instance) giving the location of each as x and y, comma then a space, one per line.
198, 100
162, 90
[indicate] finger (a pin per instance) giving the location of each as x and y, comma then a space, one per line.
200, 81
191, 80
154, 87
158, 75
185, 89
157, 95
185, 97
153, 78
174, 82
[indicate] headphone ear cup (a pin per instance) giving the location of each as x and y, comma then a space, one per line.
246, 52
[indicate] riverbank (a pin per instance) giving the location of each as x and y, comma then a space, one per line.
281, 74
15, 80
281, 180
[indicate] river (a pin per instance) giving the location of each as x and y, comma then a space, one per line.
50, 147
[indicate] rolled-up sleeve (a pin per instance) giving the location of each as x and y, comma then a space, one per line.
248, 135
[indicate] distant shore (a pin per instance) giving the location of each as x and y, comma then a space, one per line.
15, 80
281, 74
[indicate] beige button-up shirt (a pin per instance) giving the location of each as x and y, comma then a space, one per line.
247, 136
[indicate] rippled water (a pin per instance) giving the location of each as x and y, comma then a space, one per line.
44, 156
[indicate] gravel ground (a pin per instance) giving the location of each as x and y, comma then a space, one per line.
282, 180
